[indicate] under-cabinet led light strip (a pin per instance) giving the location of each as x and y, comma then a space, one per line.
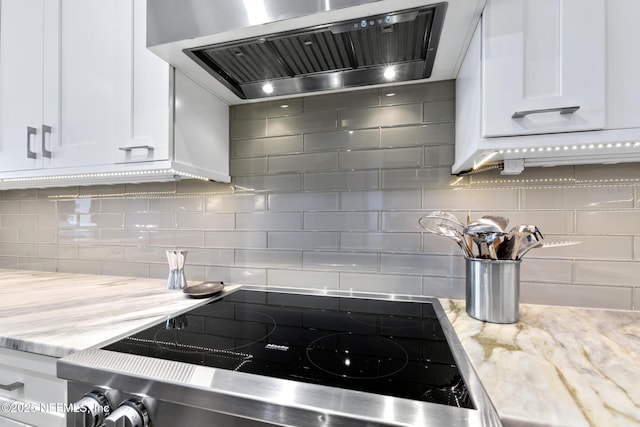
572, 147
105, 175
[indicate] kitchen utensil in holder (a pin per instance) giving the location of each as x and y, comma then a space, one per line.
176, 270
493, 290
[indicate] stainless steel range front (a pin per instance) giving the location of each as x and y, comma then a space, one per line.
261, 357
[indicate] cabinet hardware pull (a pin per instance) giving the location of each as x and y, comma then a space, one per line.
12, 386
30, 131
561, 110
45, 130
134, 147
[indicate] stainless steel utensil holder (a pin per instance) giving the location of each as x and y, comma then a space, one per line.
493, 290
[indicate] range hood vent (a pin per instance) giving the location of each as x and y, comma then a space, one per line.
393, 47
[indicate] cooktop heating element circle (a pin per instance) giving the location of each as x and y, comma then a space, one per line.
185, 341
341, 354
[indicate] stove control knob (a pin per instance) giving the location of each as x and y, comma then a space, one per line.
91, 410
130, 413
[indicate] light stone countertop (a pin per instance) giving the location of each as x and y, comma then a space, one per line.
557, 366
56, 314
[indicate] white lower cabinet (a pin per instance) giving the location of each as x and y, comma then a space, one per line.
36, 396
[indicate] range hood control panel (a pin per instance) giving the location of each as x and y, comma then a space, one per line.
384, 21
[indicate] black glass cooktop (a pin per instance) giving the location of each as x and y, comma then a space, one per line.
378, 346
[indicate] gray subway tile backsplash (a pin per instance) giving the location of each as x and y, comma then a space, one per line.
382, 158
577, 295
462, 198
206, 256
381, 116
264, 146
353, 99
116, 237
235, 239
305, 122
205, 221
436, 265
268, 258
20, 221
124, 269
326, 194
262, 183
607, 272
622, 222
176, 238
36, 206
303, 162
252, 128
438, 111
312, 279
418, 178
432, 134
235, 203
555, 270
381, 199
339, 221
342, 261
267, 109
124, 206
400, 221
341, 180
101, 253
380, 242
608, 197
177, 204
342, 139
246, 166
388, 284
442, 155
36, 236
305, 201
417, 93
303, 240
269, 221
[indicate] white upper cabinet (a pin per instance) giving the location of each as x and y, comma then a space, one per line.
544, 66
550, 82
83, 101
96, 65
623, 65
22, 56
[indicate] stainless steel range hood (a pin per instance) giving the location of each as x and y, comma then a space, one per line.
258, 49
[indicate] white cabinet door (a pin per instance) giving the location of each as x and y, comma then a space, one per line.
151, 106
21, 83
114, 103
543, 66
623, 66
94, 104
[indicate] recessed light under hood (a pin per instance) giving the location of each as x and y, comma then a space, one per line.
393, 47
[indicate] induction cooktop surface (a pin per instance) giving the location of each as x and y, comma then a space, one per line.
386, 347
